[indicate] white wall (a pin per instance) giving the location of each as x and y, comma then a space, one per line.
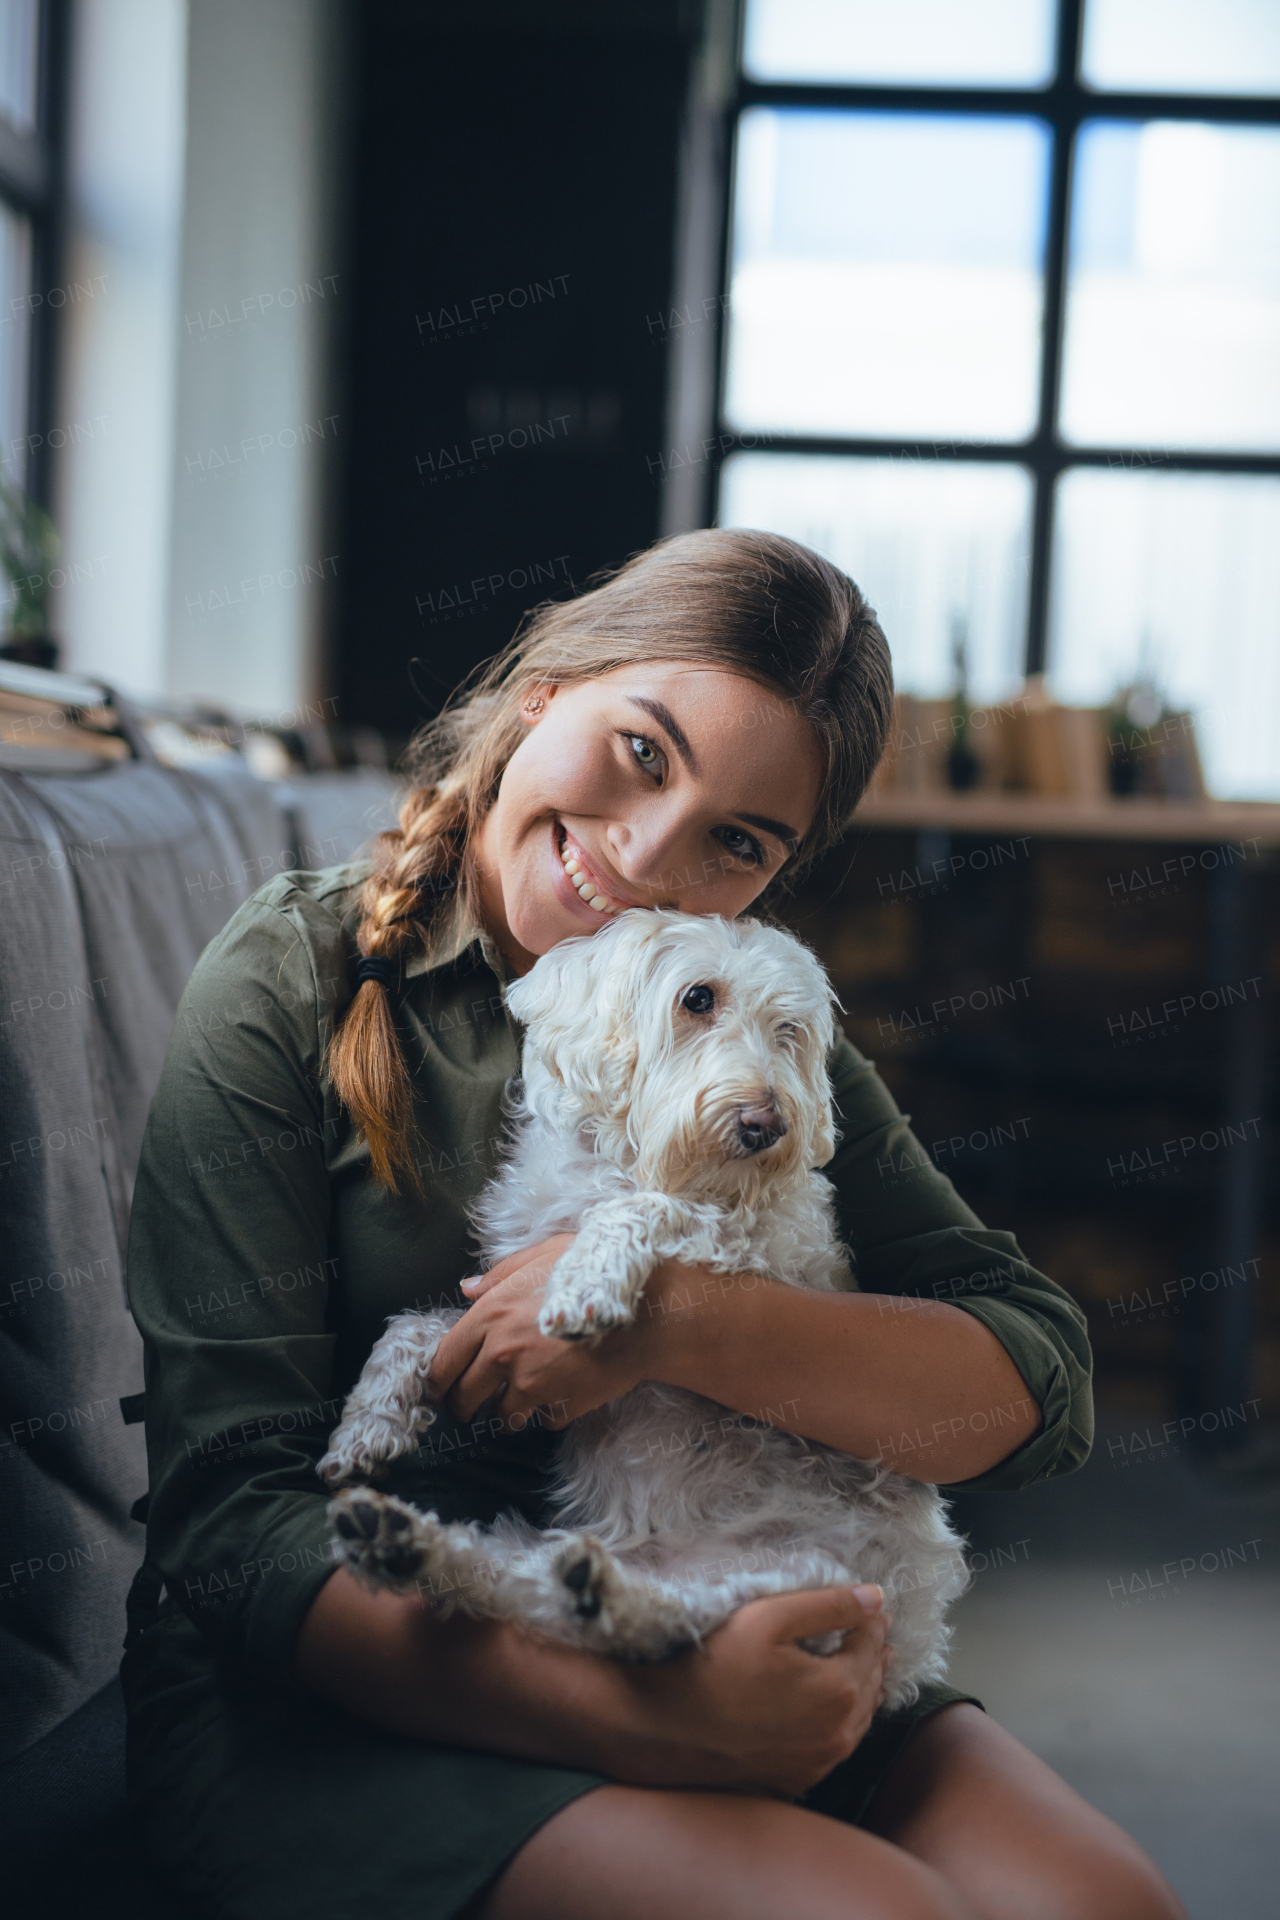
205, 180
118, 347
252, 581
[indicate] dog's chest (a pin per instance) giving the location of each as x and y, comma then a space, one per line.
546, 1186
661, 1463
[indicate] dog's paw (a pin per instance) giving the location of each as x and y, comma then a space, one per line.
619, 1613
586, 1571
577, 1314
363, 1447
339, 1468
378, 1537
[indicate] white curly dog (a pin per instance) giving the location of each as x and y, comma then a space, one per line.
674, 1105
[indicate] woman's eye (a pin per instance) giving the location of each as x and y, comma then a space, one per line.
645, 752
743, 845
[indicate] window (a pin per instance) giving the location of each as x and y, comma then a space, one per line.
1003, 336
28, 293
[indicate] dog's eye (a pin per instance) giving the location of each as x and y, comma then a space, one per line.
789, 1032
698, 1000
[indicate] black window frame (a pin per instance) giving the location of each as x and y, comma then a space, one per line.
31, 183
1063, 104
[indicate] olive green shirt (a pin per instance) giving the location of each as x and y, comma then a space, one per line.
264, 1261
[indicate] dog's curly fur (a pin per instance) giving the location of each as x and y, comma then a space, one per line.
656, 1123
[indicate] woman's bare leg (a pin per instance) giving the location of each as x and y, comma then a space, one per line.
1000, 1827
969, 1825
631, 1853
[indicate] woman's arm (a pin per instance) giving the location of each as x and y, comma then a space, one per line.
231, 1271
918, 1384
956, 1360
746, 1710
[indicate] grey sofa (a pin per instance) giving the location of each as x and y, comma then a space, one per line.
111, 884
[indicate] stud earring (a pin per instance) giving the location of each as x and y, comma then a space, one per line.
535, 705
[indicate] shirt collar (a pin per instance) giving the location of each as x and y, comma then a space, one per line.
460, 933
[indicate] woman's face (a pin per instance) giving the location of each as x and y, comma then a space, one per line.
654, 785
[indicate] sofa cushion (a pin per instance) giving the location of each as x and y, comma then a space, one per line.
111, 884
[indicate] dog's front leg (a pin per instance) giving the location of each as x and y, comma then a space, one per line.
597, 1283
387, 1408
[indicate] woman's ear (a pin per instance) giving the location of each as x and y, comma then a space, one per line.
536, 702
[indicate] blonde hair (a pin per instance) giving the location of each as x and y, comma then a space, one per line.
753, 603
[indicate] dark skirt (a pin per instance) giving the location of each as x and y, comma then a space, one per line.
259, 1802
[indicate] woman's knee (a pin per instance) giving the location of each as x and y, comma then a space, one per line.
635, 1852
1123, 1884
1009, 1833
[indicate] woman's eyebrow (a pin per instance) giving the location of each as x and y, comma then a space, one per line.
778, 828
670, 726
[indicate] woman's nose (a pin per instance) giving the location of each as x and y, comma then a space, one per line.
656, 859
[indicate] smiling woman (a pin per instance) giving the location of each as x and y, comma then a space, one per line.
616, 755
686, 735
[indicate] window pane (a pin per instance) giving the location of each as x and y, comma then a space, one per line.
985, 43
1173, 300
19, 54
931, 543
886, 274
1182, 46
1176, 576
15, 325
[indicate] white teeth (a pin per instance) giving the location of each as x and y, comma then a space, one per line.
585, 885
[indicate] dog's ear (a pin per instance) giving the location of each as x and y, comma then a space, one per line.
826, 1002
537, 995
575, 1004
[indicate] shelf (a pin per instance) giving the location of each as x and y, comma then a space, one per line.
1051, 817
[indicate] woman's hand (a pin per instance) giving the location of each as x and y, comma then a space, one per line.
751, 1711
497, 1348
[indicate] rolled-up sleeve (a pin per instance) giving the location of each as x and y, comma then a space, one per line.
230, 1274
912, 1234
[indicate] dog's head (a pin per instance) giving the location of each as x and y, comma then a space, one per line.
690, 1050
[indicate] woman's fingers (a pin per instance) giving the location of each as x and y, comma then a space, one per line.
477, 1384
498, 1351
455, 1353
811, 1611
531, 1265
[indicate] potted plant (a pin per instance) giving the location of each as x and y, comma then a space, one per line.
28, 553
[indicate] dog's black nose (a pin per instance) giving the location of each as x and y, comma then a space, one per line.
759, 1127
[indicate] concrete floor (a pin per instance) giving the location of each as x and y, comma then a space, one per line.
1125, 1624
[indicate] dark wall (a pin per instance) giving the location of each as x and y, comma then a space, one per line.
514, 226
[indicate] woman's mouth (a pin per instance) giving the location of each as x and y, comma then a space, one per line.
588, 885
